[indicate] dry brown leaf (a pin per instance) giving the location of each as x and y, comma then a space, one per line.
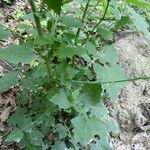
5, 114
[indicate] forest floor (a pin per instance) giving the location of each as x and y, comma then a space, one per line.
132, 113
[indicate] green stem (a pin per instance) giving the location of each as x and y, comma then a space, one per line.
83, 17
40, 33
108, 82
108, 1
36, 18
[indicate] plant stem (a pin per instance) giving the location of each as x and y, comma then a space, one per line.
108, 82
83, 17
36, 18
102, 17
40, 33
108, 1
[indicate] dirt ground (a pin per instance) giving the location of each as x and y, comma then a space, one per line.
132, 113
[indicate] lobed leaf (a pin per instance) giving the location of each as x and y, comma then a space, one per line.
110, 72
86, 128
60, 99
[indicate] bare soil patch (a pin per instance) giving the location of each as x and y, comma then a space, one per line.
133, 111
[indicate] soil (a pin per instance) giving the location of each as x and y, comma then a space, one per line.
132, 113
133, 110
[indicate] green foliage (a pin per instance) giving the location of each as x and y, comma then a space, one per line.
54, 5
17, 53
71, 21
4, 33
106, 33
140, 3
61, 99
67, 72
139, 21
7, 81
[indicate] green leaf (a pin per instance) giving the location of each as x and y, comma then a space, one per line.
48, 121
91, 48
113, 89
17, 117
72, 72
17, 54
4, 33
99, 111
85, 129
110, 72
28, 16
59, 146
106, 33
71, 21
68, 51
100, 145
36, 138
15, 135
60, 99
23, 98
41, 41
108, 54
19, 120
90, 94
140, 3
123, 22
115, 11
26, 125
9, 80
138, 21
62, 130
112, 126
54, 5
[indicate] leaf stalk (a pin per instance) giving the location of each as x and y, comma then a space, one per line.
108, 82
